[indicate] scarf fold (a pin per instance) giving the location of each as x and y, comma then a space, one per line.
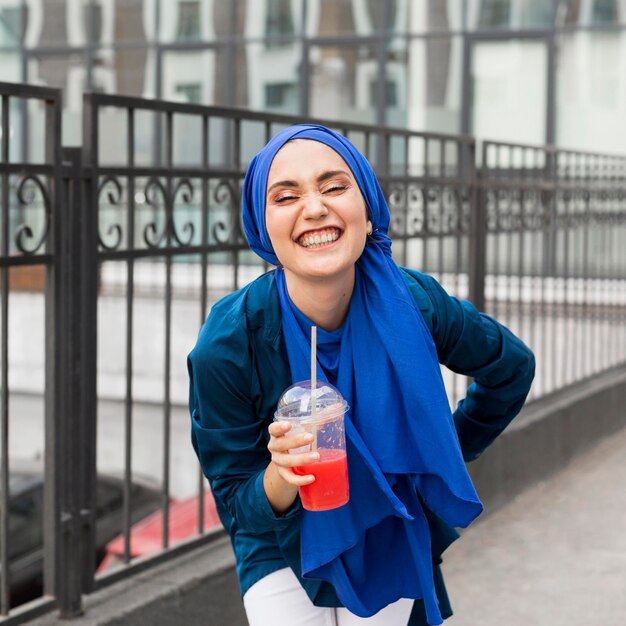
402, 449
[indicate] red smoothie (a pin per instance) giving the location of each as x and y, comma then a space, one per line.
330, 489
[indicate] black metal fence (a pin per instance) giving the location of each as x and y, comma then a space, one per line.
138, 234
554, 223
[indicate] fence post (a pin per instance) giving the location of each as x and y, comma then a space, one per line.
478, 230
54, 397
70, 445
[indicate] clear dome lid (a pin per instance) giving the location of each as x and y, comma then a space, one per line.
295, 403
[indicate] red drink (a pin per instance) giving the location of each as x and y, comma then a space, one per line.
330, 488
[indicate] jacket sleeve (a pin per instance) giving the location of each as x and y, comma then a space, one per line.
476, 345
228, 436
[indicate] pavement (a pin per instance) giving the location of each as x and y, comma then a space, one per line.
553, 556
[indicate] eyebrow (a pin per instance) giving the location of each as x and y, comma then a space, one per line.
320, 179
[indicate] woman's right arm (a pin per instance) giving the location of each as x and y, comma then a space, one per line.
247, 464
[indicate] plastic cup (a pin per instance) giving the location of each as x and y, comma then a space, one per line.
326, 423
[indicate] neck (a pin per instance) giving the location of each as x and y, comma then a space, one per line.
324, 301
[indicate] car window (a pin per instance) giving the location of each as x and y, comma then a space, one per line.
25, 524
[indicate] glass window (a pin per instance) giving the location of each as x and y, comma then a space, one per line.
192, 73
268, 77
12, 25
340, 82
391, 93
511, 88
494, 14
189, 92
281, 95
220, 73
188, 20
589, 92
10, 67
427, 75
604, 12
537, 14
278, 18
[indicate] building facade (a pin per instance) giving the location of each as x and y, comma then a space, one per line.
532, 71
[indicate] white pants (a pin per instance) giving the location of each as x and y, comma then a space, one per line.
279, 599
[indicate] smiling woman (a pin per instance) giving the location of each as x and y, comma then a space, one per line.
316, 219
313, 207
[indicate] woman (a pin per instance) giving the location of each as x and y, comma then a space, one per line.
313, 207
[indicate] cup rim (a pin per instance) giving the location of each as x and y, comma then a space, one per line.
326, 414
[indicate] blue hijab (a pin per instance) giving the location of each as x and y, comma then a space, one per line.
403, 452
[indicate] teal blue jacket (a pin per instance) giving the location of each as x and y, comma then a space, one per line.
239, 368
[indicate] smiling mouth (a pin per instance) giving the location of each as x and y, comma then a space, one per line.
319, 238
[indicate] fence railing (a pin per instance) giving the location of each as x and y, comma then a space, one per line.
555, 264
136, 243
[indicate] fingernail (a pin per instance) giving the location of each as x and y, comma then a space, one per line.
308, 437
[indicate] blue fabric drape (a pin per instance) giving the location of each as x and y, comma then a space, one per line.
403, 452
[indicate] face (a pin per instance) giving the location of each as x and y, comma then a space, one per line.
315, 213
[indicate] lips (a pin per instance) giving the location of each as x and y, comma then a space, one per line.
319, 238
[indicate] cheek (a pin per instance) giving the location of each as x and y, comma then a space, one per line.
270, 225
276, 230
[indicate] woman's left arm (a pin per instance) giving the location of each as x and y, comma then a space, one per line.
471, 343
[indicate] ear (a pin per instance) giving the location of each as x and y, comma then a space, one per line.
370, 228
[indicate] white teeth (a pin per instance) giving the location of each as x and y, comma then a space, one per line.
315, 240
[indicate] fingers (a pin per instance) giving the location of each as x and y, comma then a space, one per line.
290, 477
280, 444
282, 441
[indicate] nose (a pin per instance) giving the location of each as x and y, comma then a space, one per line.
314, 207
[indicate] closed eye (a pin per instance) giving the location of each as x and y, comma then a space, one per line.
283, 199
335, 188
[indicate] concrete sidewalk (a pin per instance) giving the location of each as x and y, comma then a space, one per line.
553, 556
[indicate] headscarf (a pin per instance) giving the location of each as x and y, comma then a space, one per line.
402, 448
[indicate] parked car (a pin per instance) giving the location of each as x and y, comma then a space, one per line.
146, 536
25, 545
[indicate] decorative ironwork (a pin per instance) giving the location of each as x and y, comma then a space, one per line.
185, 188
226, 194
27, 196
151, 236
114, 194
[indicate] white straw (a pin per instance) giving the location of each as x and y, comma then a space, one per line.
314, 383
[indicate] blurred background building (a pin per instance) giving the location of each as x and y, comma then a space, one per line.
534, 71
